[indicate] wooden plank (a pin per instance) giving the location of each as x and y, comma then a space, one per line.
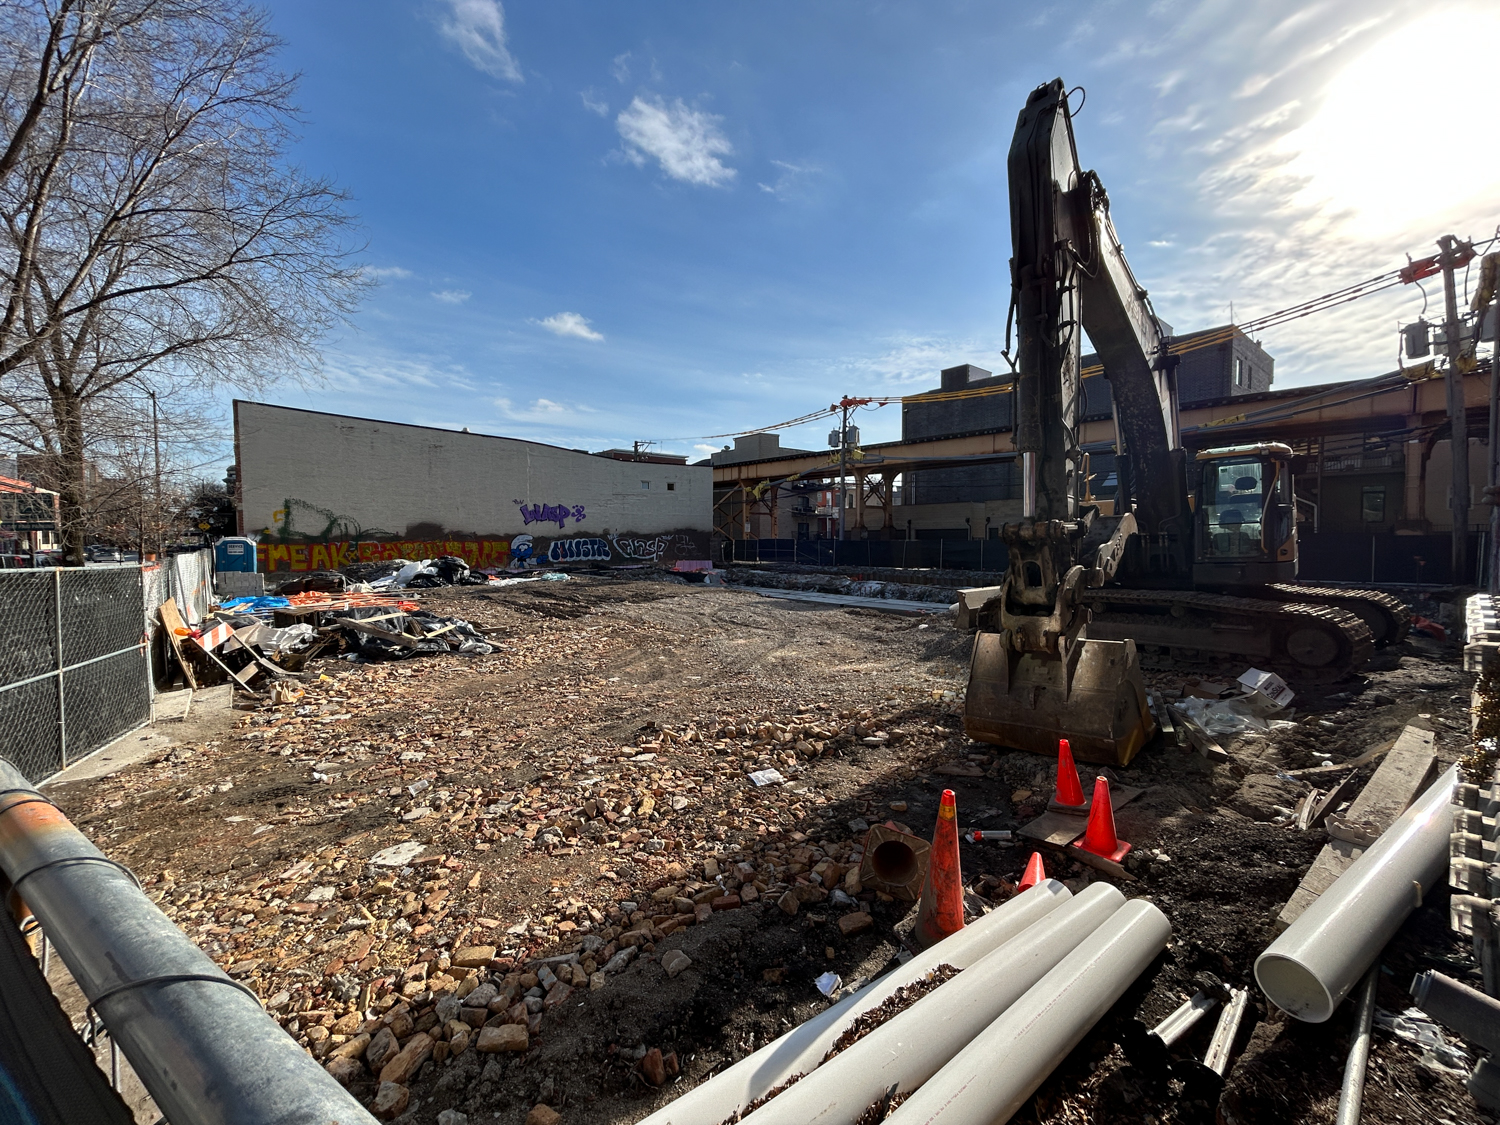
242, 678
1060, 829
1406, 771
1330, 801
172, 621
375, 631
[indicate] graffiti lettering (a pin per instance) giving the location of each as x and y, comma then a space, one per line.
480, 554
550, 513
578, 550
652, 548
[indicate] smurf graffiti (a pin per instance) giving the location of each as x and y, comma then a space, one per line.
559, 514
651, 548
522, 553
578, 550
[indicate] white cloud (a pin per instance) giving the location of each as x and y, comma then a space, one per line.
452, 296
541, 410
382, 273
477, 28
705, 450
371, 375
909, 360
791, 180
620, 68
686, 142
570, 324
593, 103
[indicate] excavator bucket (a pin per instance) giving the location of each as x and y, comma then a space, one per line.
1094, 697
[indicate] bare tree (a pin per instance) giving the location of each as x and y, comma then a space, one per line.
153, 234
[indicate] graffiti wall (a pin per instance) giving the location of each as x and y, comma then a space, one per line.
336, 486
514, 553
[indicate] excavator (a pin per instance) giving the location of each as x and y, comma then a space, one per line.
1193, 563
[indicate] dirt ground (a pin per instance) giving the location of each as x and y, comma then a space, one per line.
600, 757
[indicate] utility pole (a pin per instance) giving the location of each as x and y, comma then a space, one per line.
1458, 424
156, 450
843, 460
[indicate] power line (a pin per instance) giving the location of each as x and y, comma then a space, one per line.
1212, 338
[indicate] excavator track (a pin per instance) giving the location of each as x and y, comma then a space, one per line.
1387, 617
1185, 629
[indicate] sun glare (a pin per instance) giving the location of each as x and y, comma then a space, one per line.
1405, 136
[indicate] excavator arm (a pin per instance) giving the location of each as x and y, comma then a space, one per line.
1033, 672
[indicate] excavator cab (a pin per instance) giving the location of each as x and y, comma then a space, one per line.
1244, 523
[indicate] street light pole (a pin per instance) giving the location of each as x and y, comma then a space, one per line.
1458, 425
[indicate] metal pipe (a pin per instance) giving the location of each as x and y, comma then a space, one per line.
1028, 485
800, 1050
201, 1043
1484, 1084
1001, 1068
1454, 1004
1221, 1046
1311, 967
908, 1049
1184, 1019
1352, 1095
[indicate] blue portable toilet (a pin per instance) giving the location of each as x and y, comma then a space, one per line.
235, 553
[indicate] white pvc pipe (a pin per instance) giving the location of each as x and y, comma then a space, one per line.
1003, 1065
1310, 968
802, 1049
911, 1047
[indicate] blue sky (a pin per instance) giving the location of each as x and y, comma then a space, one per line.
594, 223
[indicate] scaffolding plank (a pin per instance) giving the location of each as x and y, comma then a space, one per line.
1405, 772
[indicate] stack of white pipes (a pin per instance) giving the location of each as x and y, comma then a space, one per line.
1036, 975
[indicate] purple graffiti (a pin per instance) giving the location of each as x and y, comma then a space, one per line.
550, 513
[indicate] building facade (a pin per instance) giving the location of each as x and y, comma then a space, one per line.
325, 490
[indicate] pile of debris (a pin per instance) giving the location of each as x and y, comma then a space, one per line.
273, 637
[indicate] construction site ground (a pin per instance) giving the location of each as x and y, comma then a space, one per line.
601, 756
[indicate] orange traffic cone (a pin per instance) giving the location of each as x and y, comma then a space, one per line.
1069, 793
942, 909
1035, 873
1100, 836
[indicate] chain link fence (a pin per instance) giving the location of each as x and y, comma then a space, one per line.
74, 672
188, 579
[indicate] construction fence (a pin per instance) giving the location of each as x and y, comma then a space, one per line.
929, 554
1383, 558
75, 654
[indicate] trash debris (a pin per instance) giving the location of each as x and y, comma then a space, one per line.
1268, 684
979, 835
1414, 1026
828, 983
1236, 715
767, 777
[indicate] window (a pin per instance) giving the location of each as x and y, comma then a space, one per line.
671, 486
645, 486
1239, 373
1233, 500
1372, 504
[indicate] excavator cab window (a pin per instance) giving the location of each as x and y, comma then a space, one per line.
1234, 506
